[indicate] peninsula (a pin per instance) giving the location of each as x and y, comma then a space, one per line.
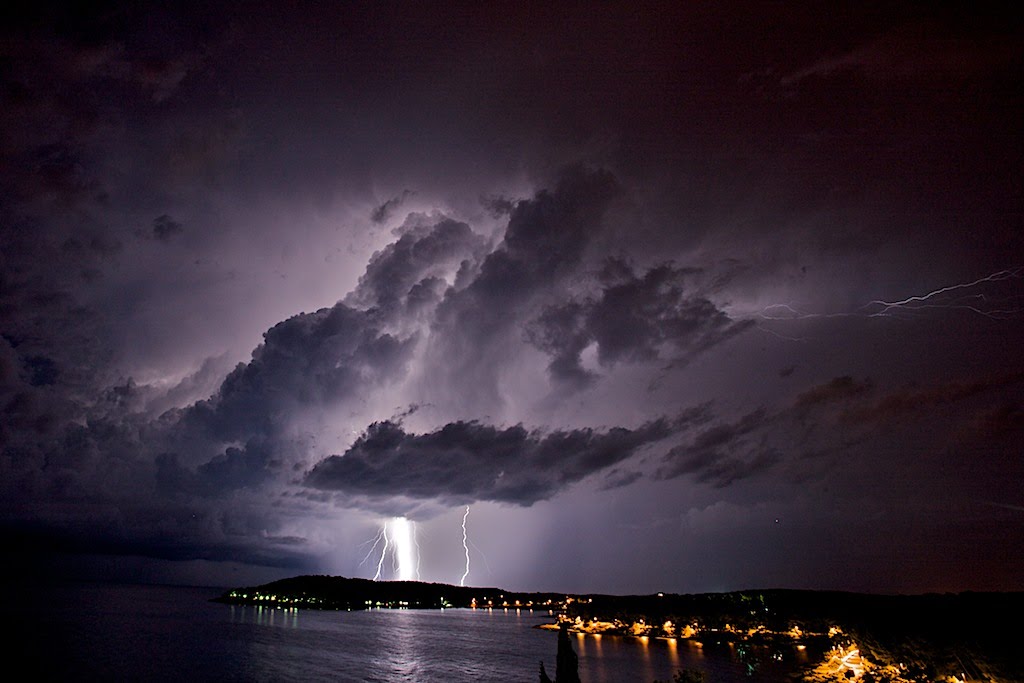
341, 593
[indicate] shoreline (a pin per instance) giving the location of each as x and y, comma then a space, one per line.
897, 638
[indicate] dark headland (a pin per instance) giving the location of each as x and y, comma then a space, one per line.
340, 593
931, 637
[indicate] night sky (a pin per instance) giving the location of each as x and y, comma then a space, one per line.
683, 297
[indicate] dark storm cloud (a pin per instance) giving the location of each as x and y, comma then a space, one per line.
544, 243
999, 421
633, 319
163, 531
97, 486
926, 50
740, 156
310, 360
845, 418
314, 362
560, 331
618, 478
238, 440
723, 454
147, 46
464, 462
408, 272
385, 211
547, 234
72, 77
76, 80
41, 314
246, 467
899, 404
165, 227
117, 448
498, 206
837, 389
200, 384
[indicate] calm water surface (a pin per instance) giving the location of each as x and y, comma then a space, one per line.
115, 632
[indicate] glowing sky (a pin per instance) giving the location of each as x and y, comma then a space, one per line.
679, 296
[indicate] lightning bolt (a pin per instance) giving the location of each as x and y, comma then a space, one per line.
465, 546
791, 312
416, 542
401, 540
780, 336
383, 552
404, 548
481, 553
918, 302
376, 542
950, 297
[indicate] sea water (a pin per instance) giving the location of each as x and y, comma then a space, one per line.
113, 632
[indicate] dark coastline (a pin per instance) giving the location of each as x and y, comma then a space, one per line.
923, 637
341, 593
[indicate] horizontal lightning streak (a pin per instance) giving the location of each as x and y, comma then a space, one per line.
1011, 273
997, 308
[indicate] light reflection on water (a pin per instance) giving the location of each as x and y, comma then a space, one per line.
264, 616
110, 632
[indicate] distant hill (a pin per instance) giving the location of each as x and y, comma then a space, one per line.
341, 593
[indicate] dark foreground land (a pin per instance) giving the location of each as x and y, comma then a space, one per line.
933, 637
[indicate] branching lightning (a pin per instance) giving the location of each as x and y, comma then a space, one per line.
960, 296
977, 303
376, 542
465, 546
383, 552
402, 542
780, 336
482, 556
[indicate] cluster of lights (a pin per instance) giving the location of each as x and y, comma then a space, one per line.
843, 662
399, 604
283, 600
670, 631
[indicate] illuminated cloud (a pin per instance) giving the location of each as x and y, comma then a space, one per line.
465, 462
512, 254
633, 318
385, 211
